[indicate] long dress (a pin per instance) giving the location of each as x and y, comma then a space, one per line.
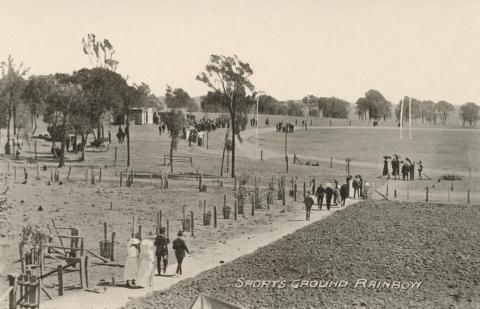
146, 263
131, 264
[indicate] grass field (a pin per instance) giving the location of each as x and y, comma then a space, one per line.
434, 244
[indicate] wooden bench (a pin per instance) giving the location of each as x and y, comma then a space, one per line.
184, 159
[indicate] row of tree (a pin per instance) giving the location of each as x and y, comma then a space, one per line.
76, 103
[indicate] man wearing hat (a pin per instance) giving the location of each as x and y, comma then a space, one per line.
161, 250
180, 248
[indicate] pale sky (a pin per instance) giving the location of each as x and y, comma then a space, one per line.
427, 49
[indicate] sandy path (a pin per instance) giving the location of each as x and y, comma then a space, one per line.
114, 297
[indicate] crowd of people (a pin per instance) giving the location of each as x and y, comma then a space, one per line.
336, 194
405, 167
142, 255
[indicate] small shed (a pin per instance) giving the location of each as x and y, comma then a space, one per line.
143, 115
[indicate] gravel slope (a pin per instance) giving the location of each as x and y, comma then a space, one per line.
435, 244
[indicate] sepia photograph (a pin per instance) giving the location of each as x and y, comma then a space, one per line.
223, 154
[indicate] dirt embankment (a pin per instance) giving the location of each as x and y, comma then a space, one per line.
393, 245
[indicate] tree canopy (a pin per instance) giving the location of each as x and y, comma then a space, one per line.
179, 98
375, 104
469, 113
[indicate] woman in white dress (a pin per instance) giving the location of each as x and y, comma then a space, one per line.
131, 264
146, 263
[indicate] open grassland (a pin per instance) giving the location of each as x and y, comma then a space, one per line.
434, 244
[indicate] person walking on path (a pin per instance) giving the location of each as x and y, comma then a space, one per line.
308, 206
146, 263
131, 264
161, 251
328, 195
180, 248
320, 194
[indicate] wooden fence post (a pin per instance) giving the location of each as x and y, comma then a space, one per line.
200, 183
35, 145
121, 178
253, 205
235, 209
426, 194
283, 196
261, 154
115, 160
86, 175
168, 228
295, 191
235, 184
12, 296
100, 176
192, 223
215, 216
304, 190
112, 257
468, 196
331, 161
60, 280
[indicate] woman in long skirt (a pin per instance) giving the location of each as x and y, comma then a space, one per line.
146, 263
131, 264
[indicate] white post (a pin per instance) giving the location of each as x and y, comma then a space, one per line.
410, 117
401, 119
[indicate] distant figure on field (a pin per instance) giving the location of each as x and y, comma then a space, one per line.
420, 169
161, 251
180, 248
308, 206
109, 137
131, 264
385, 167
336, 194
412, 171
320, 194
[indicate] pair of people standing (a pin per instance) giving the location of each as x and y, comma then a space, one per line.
139, 264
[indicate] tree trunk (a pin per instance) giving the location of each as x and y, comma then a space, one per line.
171, 155
233, 140
8, 149
127, 128
62, 142
223, 158
14, 108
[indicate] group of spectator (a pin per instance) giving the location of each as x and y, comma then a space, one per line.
406, 168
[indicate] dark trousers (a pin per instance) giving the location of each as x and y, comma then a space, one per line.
320, 200
159, 262
329, 201
179, 263
308, 209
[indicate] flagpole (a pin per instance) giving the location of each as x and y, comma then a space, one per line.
410, 117
401, 119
